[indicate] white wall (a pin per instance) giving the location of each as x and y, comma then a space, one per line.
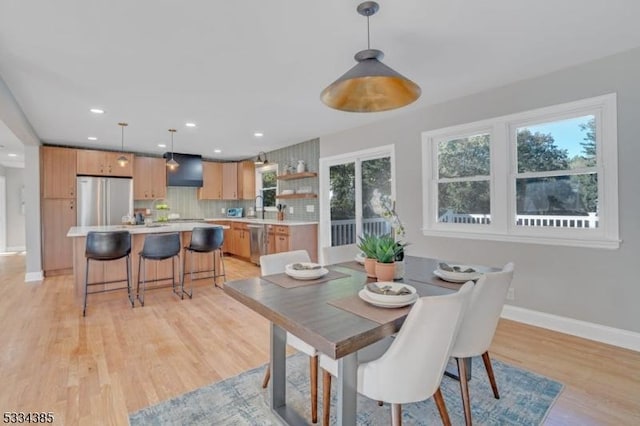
32, 217
15, 216
594, 285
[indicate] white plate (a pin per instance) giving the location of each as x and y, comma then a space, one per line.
305, 274
459, 277
360, 258
364, 295
389, 298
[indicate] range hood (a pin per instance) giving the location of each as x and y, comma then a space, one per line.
188, 174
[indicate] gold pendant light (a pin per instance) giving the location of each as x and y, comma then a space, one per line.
172, 164
122, 160
370, 86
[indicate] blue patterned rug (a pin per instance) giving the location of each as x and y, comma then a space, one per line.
525, 399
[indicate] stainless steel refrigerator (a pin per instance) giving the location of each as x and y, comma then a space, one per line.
103, 201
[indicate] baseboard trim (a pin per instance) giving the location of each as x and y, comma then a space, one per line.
33, 276
16, 248
600, 333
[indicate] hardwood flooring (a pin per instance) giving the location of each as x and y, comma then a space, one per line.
116, 360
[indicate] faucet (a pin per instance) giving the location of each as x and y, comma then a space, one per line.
256, 204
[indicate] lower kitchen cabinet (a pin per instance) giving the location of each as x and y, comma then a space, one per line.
58, 215
295, 237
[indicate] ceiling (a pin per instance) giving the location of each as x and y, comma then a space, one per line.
237, 67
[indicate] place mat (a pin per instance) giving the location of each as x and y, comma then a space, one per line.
284, 280
352, 265
359, 307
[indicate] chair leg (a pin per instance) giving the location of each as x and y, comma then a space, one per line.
326, 397
442, 408
267, 376
492, 378
313, 371
129, 295
464, 388
143, 274
396, 414
86, 288
224, 272
190, 292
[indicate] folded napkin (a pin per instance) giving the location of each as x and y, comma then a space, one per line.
301, 267
448, 268
386, 290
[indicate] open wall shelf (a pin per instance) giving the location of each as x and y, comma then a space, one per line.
297, 176
283, 197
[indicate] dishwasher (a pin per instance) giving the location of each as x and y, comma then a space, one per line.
258, 241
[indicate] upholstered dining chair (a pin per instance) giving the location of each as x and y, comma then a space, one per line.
339, 254
274, 264
478, 327
411, 369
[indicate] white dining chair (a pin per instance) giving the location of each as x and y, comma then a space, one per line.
478, 327
339, 254
274, 264
411, 369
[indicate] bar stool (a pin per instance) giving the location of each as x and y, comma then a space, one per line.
205, 240
102, 247
159, 247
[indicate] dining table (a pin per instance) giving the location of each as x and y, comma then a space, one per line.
328, 314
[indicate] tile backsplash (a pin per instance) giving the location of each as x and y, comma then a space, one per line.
184, 201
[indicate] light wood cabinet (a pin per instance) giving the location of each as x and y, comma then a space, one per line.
240, 240
58, 172
246, 180
103, 163
58, 215
229, 181
149, 178
298, 237
211, 181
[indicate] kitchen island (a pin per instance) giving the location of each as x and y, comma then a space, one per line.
115, 269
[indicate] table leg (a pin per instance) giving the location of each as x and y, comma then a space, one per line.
347, 390
278, 381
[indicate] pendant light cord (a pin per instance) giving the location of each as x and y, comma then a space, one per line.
368, 35
122, 146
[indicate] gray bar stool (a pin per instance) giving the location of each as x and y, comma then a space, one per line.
102, 247
159, 247
205, 240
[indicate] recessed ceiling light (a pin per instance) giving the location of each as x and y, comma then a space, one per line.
97, 110
92, 138
12, 155
258, 134
217, 151
190, 124
161, 145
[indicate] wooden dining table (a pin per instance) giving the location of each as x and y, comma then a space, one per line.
330, 316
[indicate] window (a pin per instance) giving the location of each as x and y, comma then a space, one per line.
266, 187
544, 176
347, 186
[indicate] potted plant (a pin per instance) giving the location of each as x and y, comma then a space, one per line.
386, 252
368, 245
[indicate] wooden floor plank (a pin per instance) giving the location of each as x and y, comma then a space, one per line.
116, 360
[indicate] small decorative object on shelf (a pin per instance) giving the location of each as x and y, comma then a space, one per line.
301, 166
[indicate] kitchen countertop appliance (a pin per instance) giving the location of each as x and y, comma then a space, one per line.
234, 212
103, 201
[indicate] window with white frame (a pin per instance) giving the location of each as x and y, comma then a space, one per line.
266, 187
544, 176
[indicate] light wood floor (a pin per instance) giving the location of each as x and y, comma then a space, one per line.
96, 370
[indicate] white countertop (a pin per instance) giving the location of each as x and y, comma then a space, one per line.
261, 221
82, 231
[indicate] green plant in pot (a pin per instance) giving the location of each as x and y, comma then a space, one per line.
368, 245
387, 251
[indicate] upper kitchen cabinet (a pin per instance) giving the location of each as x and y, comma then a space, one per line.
149, 178
230, 181
58, 166
103, 163
211, 181
246, 180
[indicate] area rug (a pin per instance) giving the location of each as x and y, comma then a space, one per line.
525, 399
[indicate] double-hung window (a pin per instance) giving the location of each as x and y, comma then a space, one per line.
544, 176
266, 187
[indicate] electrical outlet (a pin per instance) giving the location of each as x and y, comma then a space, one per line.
511, 294
222, 210
290, 210
310, 208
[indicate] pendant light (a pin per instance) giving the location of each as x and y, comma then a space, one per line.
370, 86
122, 160
172, 164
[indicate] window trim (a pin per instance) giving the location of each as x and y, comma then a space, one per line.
259, 171
504, 172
